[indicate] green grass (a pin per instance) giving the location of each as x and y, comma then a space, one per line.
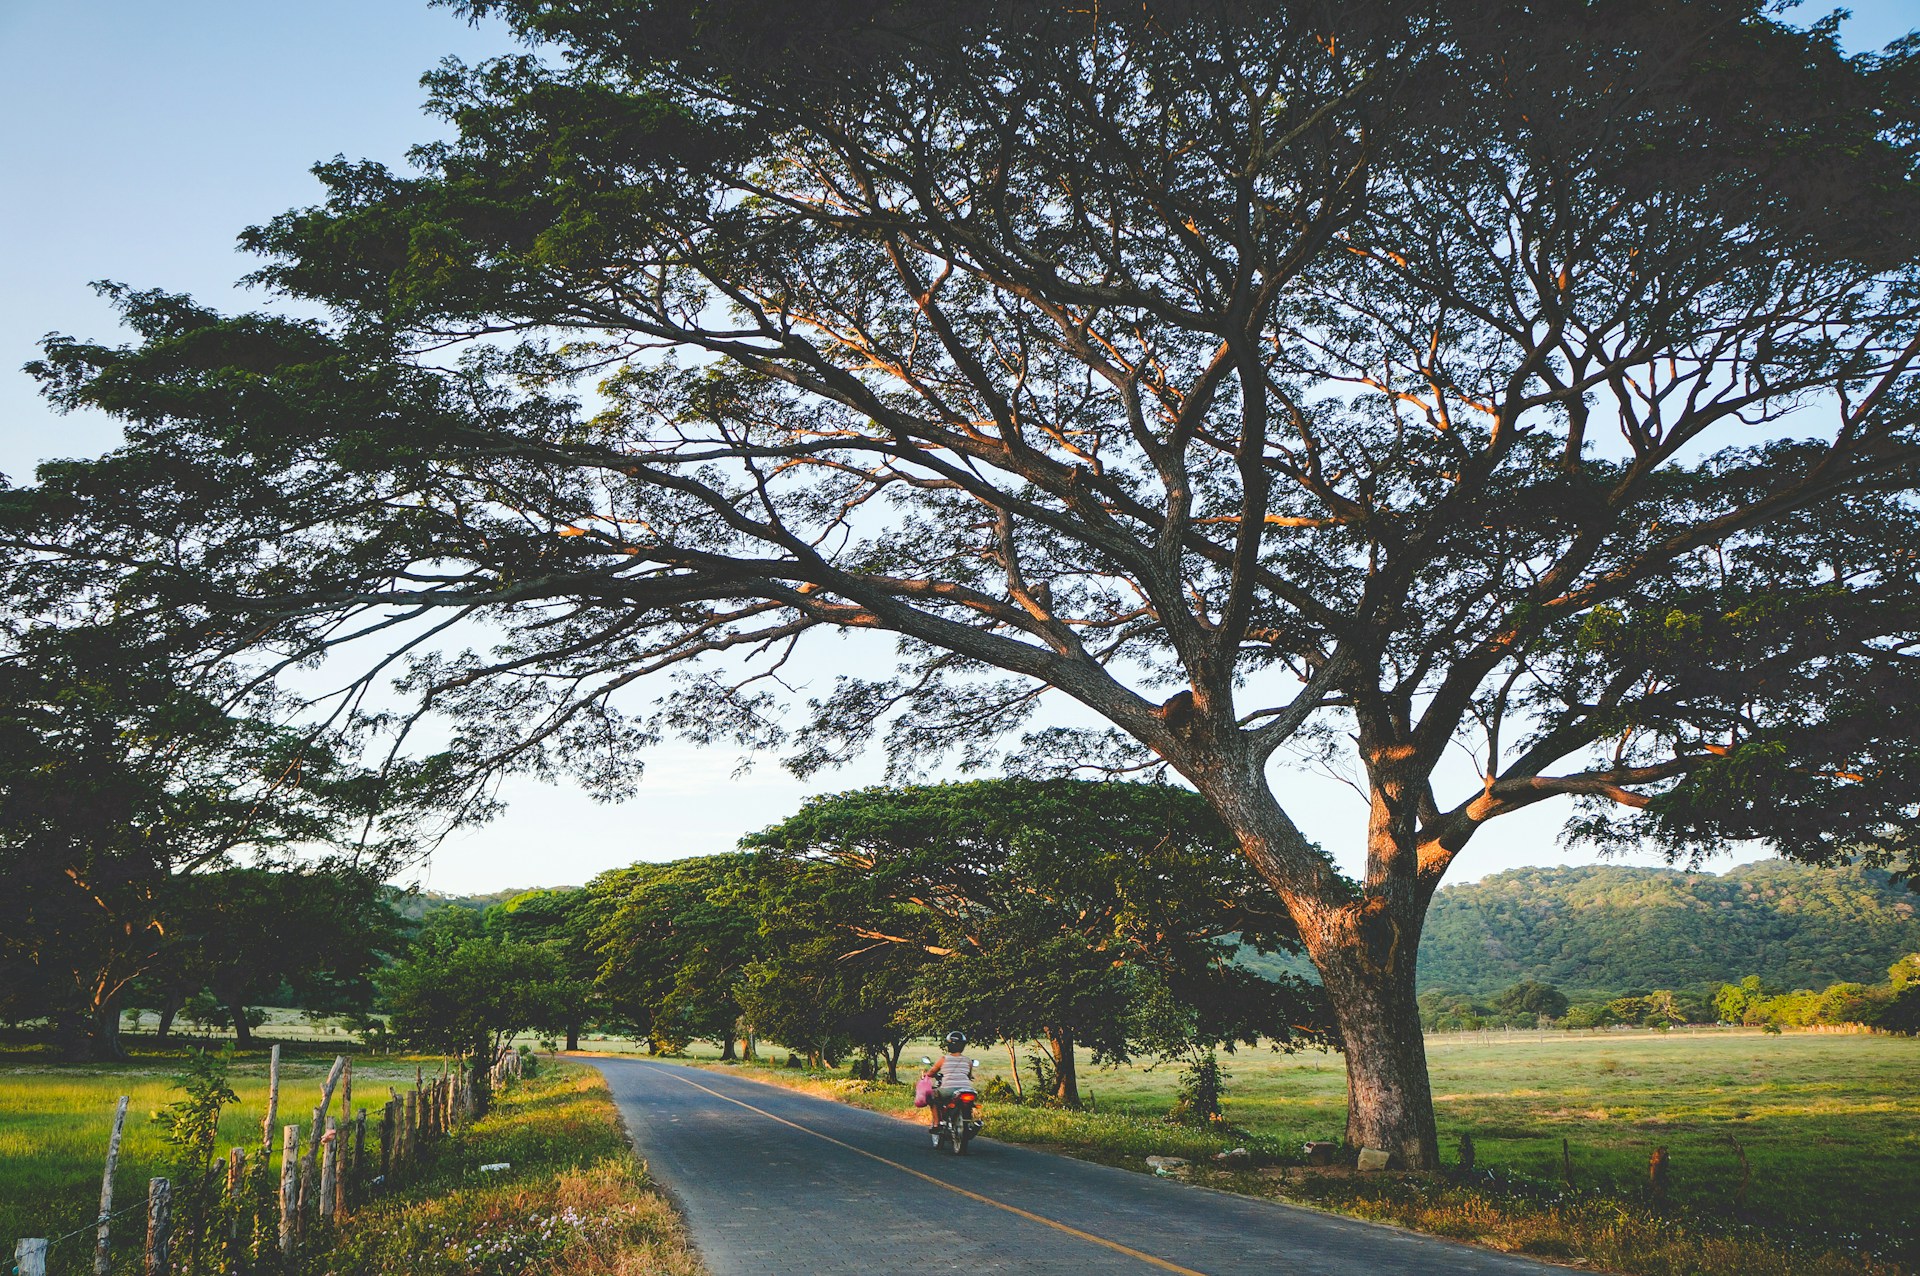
1830, 1126
55, 1119
576, 1200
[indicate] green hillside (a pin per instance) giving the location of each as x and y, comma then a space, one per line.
1606, 929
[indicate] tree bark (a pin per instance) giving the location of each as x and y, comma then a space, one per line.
1389, 1097
893, 1061
92, 1036
573, 1034
479, 1064
168, 1009
727, 1054
1364, 939
1066, 1074
242, 1030
106, 1032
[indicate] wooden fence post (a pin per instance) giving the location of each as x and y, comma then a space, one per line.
273, 1103
319, 1128
410, 1137
30, 1256
329, 1171
386, 1139
359, 1158
101, 1241
159, 1225
290, 1190
236, 1193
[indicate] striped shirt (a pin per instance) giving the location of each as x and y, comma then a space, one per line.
956, 1072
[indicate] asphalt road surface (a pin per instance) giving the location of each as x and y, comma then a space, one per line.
774, 1181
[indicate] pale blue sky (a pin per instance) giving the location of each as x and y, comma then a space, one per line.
137, 138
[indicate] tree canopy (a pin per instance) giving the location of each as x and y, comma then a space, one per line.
1108, 916
462, 990
120, 778
1533, 381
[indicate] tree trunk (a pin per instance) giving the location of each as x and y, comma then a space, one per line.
727, 1054
1389, 1098
242, 1030
573, 1034
893, 1061
1365, 943
1060, 1046
106, 1033
480, 1063
169, 1007
92, 1036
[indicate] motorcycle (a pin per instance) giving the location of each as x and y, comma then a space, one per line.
957, 1120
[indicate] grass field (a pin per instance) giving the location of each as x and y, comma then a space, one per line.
577, 1200
55, 1119
1829, 1124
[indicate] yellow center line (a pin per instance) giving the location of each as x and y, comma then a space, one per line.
1057, 1226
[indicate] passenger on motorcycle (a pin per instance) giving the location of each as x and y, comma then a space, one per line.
952, 1073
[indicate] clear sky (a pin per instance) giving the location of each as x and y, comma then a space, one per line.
137, 138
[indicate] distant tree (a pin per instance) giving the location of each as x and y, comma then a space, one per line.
1902, 1012
1587, 1014
242, 933
824, 983
671, 948
1395, 380
1529, 999
1632, 1009
558, 921
464, 991
1444, 1011
120, 778
1741, 1002
1056, 910
1846, 1003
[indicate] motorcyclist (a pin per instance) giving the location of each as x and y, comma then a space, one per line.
952, 1073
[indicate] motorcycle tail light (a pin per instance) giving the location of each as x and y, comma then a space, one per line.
968, 1096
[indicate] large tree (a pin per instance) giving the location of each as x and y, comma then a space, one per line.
239, 934
128, 801
1528, 384
670, 948
463, 990
557, 921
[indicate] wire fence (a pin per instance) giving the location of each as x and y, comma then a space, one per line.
259, 1217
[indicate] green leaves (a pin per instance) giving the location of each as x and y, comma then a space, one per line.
1027, 909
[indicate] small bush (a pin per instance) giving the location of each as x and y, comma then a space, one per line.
1197, 1100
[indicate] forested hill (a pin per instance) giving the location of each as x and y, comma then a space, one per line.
1613, 929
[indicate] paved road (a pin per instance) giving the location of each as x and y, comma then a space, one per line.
773, 1181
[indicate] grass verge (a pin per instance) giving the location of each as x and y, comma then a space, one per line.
1509, 1212
576, 1200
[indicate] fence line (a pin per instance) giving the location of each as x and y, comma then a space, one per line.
241, 1225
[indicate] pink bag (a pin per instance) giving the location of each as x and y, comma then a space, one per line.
923, 1092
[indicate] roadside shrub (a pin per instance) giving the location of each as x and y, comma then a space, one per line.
1197, 1100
